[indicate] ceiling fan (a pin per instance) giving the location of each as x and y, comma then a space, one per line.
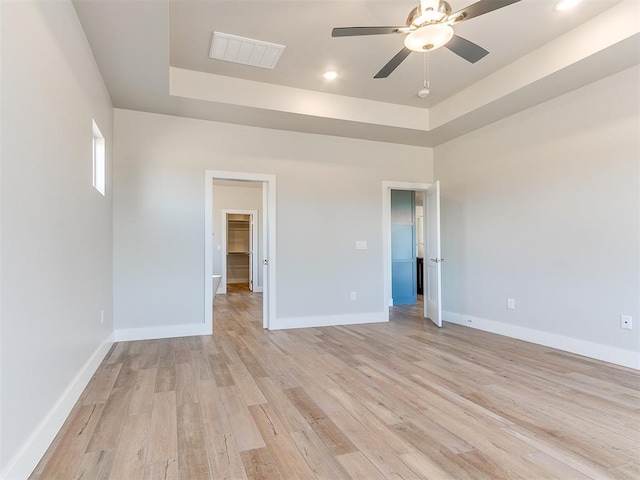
430, 26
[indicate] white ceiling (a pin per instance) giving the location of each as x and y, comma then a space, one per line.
154, 57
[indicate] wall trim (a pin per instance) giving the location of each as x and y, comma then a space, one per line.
606, 353
30, 453
329, 320
165, 331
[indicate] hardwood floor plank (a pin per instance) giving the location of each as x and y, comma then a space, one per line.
129, 460
166, 353
162, 453
165, 379
246, 383
335, 440
143, 390
192, 451
283, 450
358, 467
629, 471
320, 460
554, 466
107, 433
201, 368
166, 470
286, 411
129, 372
375, 451
424, 467
220, 371
259, 465
224, 457
150, 355
101, 384
245, 431
186, 391
95, 466
75, 437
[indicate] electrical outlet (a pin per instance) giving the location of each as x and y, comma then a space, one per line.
626, 322
101, 317
353, 295
511, 303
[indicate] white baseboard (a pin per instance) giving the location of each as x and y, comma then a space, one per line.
27, 458
619, 356
258, 289
153, 333
328, 320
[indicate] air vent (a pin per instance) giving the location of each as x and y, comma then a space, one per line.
245, 51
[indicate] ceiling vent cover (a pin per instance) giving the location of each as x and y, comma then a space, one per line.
245, 51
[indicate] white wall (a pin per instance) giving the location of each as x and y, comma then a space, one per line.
56, 229
227, 197
544, 207
328, 196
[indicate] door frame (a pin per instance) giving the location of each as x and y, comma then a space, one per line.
253, 265
268, 226
387, 186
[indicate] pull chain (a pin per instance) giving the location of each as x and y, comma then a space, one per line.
425, 84
426, 70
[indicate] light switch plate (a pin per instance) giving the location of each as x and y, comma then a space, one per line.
361, 244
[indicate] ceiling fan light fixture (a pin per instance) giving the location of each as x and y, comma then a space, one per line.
428, 38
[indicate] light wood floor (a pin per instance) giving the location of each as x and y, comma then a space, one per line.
403, 400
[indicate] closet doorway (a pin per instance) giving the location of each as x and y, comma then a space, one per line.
264, 202
239, 243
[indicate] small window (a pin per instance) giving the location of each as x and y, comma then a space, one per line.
99, 160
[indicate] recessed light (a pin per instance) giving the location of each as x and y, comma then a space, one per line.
330, 74
563, 5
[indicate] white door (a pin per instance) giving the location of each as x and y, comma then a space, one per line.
433, 258
266, 228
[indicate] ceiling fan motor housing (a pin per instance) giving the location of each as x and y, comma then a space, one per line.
417, 18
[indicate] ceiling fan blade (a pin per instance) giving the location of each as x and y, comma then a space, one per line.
393, 63
466, 49
479, 8
355, 31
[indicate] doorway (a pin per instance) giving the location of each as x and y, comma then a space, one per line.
240, 255
265, 220
430, 236
404, 255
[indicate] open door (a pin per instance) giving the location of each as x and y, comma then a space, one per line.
252, 256
433, 258
267, 221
